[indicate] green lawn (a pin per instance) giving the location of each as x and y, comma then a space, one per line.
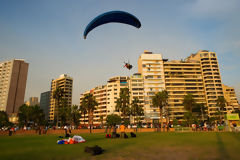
149, 146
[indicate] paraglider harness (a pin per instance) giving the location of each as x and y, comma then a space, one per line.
128, 66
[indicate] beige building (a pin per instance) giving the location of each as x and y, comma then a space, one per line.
198, 74
65, 82
181, 78
150, 66
107, 95
211, 78
100, 113
136, 88
32, 101
114, 85
231, 98
13, 79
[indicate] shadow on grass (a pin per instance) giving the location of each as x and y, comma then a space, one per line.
223, 152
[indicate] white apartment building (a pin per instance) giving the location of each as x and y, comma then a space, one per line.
150, 66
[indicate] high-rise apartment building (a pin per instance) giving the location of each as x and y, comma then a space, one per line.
100, 113
32, 101
150, 66
45, 103
64, 82
198, 75
136, 88
136, 85
13, 79
107, 95
114, 85
211, 78
181, 78
231, 98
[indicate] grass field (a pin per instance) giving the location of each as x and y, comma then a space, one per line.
205, 145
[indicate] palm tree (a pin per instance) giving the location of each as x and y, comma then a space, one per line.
37, 115
24, 115
75, 115
83, 111
167, 115
136, 109
90, 102
3, 119
189, 102
122, 104
160, 100
200, 108
221, 103
64, 112
101, 120
58, 95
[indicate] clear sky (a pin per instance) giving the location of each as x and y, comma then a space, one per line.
48, 34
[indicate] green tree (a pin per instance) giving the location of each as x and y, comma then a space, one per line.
122, 104
189, 102
24, 115
89, 102
167, 113
221, 103
200, 110
175, 122
83, 111
37, 115
31, 115
76, 115
64, 112
4, 122
58, 95
101, 120
188, 117
160, 100
113, 120
136, 110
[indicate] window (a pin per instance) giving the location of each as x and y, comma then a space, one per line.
212, 54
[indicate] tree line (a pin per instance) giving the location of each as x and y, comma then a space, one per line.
70, 115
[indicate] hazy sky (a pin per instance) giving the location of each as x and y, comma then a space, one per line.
48, 34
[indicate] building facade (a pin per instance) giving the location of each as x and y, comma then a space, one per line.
150, 66
211, 78
181, 78
106, 96
64, 82
32, 101
13, 79
231, 98
198, 75
45, 103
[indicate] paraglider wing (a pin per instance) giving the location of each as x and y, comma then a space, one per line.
110, 17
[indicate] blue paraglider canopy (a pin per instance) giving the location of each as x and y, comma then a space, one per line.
112, 17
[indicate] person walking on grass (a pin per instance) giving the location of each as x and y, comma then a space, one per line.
122, 130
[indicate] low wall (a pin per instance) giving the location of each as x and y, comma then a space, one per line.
78, 131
